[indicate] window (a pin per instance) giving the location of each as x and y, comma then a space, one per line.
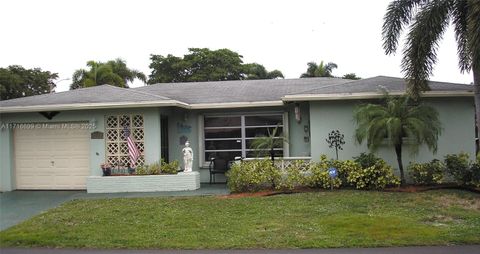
116, 144
227, 137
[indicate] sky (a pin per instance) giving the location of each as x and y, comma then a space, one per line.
61, 36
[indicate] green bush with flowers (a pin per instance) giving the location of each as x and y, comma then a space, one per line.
249, 176
377, 176
255, 175
319, 177
427, 173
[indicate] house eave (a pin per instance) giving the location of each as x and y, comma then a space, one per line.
236, 105
357, 96
86, 106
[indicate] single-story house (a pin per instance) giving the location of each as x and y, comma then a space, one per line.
55, 141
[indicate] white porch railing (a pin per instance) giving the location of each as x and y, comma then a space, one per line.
282, 162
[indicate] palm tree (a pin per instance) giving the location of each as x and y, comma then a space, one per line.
268, 143
114, 72
319, 70
428, 20
395, 121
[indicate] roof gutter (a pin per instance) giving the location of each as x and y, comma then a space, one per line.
357, 96
236, 105
83, 106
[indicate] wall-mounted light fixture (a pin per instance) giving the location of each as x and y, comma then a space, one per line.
298, 114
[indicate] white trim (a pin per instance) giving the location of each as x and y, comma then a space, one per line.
236, 104
286, 142
79, 106
369, 95
201, 142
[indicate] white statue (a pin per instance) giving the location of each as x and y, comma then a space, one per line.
187, 157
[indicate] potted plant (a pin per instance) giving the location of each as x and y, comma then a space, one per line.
106, 169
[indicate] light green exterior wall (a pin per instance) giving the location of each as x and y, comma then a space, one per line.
306, 137
456, 116
97, 146
152, 117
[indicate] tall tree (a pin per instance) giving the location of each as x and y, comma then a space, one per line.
203, 64
393, 120
114, 72
16, 81
428, 20
319, 70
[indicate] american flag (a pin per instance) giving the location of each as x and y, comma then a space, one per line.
133, 151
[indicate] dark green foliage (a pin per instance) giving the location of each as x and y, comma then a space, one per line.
319, 70
394, 120
427, 173
16, 81
427, 21
366, 159
462, 169
114, 72
352, 76
203, 64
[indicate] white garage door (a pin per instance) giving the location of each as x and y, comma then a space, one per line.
51, 158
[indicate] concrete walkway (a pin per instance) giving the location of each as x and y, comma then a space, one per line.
468, 249
17, 206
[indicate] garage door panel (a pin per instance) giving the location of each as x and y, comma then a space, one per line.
35, 149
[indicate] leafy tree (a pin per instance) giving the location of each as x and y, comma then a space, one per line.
114, 72
16, 81
319, 70
258, 71
428, 20
351, 76
395, 119
203, 64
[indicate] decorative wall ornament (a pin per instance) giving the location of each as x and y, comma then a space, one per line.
116, 145
335, 140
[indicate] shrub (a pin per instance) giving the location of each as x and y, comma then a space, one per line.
157, 168
249, 176
141, 170
154, 168
319, 177
427, 173
462, 170
366, 160
169, 168
344, 168
294, 175
377, 176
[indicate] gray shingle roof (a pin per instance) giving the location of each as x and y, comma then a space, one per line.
238, 90
97, 94
390, 83
223, 91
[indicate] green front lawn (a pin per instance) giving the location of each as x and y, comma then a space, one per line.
309, 220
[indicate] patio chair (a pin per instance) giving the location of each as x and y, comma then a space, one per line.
217, 166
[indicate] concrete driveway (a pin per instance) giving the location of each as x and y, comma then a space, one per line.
17, 206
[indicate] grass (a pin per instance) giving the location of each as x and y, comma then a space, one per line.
308, 220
